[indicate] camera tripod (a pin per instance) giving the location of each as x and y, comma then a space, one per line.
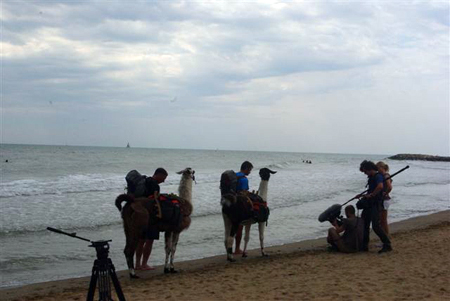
103, 271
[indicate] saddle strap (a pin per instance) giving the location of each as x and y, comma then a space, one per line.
158, 205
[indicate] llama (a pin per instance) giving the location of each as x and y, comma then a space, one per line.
136, 215
264, 173
238, 209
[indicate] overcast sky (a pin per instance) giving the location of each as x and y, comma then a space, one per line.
305, 76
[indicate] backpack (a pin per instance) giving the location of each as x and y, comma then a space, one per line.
170, 209
136, 183
260, 209
228, 182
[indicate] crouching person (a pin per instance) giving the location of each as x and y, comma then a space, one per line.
352, 239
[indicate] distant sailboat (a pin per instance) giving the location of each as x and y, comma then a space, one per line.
128, 145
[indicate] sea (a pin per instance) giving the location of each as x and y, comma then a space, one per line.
73, 188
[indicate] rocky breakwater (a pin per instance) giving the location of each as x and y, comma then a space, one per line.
420, 157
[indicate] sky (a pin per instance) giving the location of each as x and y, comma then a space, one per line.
360, 77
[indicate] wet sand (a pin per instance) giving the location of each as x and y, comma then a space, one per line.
418, 268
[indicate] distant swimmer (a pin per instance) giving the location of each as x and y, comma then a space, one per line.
6, 160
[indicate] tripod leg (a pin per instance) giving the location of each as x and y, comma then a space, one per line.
93, 283
115, 281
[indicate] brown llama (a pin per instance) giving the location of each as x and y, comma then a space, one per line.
136, 215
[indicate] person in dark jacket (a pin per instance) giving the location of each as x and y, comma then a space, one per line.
145, 245
374, 199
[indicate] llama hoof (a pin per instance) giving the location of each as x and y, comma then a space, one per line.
231, 259
264, 254
166, 271
134, 276
244, 255
173, 271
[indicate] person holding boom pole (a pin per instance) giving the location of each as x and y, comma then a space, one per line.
372, 205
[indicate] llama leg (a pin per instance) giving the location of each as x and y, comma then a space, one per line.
246, 239
168, 248
175, 237
228, 238
132, 240
261, 228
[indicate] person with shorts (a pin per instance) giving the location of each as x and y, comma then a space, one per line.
145, 245
242, 187
383, 169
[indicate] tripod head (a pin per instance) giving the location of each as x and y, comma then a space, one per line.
101, 246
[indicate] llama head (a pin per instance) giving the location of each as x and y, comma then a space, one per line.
187, 173
264, 173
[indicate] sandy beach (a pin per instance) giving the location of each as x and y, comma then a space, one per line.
418, 268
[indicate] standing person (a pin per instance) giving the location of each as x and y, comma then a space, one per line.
242, 187
145, 245
383, 168
373, 199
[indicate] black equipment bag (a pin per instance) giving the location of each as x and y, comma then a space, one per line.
364, 203
228, 182
136, 184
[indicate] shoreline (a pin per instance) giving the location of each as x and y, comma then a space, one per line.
209, 264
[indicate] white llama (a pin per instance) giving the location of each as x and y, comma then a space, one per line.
236, 211
264, 173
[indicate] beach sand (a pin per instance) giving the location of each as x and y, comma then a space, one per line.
418, 268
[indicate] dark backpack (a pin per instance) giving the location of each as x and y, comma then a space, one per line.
170, 209
228, 182
136, 183
260, 209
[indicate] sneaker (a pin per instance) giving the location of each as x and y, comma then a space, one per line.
386, 248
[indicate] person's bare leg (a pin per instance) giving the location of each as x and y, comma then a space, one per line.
238, 250
139, 250
384, 222
146, 254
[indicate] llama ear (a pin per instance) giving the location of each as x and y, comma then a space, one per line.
272, 171
180, 172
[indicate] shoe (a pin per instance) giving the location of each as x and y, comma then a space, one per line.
386, 248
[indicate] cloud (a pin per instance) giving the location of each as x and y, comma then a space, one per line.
284, 67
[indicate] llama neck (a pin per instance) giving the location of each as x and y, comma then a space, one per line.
263, 187
185, 189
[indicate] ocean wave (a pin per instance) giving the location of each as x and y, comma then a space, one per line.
282, 165
417, 184
66, 184
80, 184
41, 227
